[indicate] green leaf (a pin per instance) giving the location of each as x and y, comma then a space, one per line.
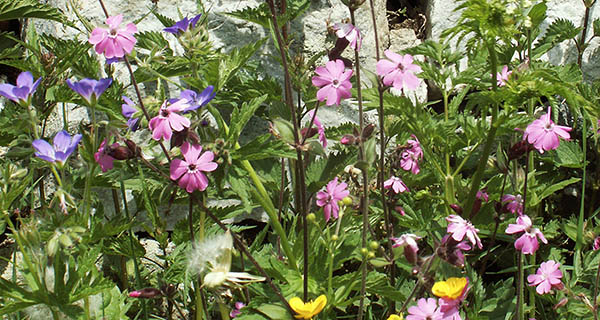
234, 61
559, 31
597, 27
274, 311
19, 9
568, 154
322, 171
240, 117
264, 147
551, 189
262, 14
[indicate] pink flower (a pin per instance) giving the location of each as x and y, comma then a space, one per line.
528, 242
513, 204
543, 134
334, 81
596, 245
547, 277
410, 157
426, 309
328, 199
103, 157
396, 184
114, 42
350, 33
460, 227
190, 172
237, 310
320, 128
400, 72
449, 307
168, 120
502, 77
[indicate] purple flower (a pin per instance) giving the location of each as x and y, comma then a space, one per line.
190, 172
460, 227
23, 91
407, 241
90, 89
128, 109
63, 147
114, 42
527, 242
328, 198
237, 310
350, 33
196, 100
502, 77
544, 135
183, 25
320, 128
396, 184
513, 204
334, 82
409, 159
547, 277
426, 309
399, 72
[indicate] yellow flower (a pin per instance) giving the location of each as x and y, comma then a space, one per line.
450, 289
395, 317
309, 309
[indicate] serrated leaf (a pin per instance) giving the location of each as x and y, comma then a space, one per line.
152, 40
551, 189
322, 171
264, 147
235, 60
240, 117
569, 154
559, 31
19, 9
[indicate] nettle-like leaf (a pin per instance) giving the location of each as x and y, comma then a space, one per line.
19, 9
264, 147
262, 14
153, 41
235, 60
240, 117
559, 31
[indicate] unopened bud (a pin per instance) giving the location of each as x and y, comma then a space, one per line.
561, 303
335, 237
364, 251
374, 245
400, 210
368, 131
306, 133
457, 208
121, 153
348, 139
347, 201
518, 149
146, 293
311, 217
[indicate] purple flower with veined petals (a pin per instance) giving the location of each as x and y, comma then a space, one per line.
334, 82
128, 109
63, 147
527, 242
460, 227
183, 25
90, 89
196, 100
328, 198
22, 92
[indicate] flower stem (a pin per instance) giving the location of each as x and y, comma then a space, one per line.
223, 310
579, 240
595, 303
520, 294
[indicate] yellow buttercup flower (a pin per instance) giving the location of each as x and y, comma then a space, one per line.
309, 309
450, 289
395, 317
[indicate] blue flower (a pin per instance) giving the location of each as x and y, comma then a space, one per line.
196, 100
90, 89
183, 25
63, 147
128, 109
22, 92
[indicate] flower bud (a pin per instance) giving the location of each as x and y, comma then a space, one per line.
371, 255
364, 251
348, 139
311, 217
374, 245
561, 303
335, 237
306, 133
368, 131
400, 210
121, 153
519, 149
347, 201
457, 208
146, 293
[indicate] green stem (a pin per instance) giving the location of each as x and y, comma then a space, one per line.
487, 149
199, 304
520, 294
224, 311
579, 241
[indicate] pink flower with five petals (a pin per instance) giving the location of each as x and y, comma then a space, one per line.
502, 77
544, 135
168, 119
399, 72
396, 184
189, 172
114, 42
426, 309
328, 198
527, 242
334, 81
547, 277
